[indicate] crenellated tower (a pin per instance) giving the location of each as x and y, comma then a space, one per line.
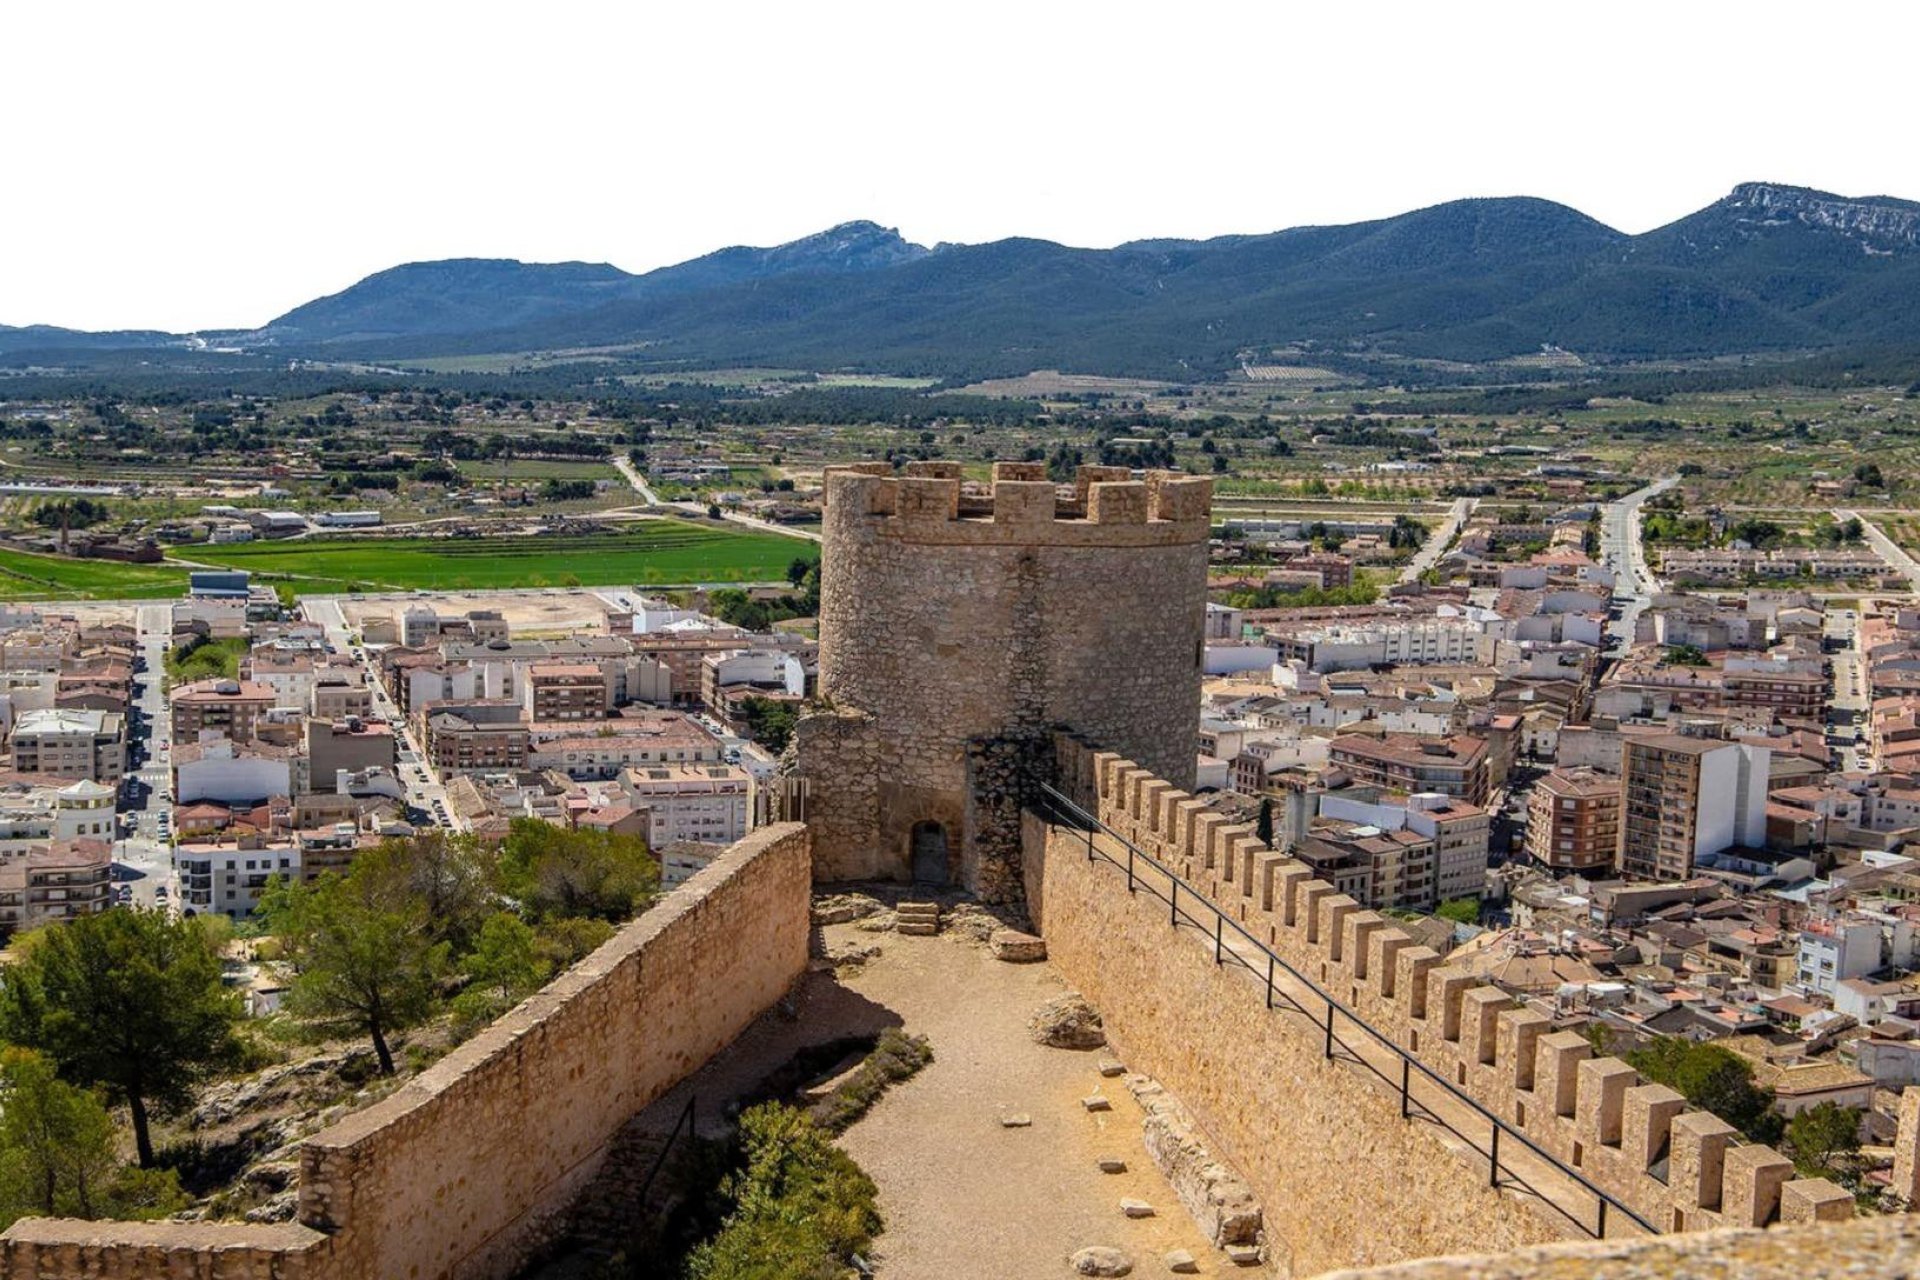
960, 622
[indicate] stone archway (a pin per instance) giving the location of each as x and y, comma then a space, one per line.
928, 852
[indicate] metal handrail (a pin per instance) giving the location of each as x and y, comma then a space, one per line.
1069, 810
659, 1162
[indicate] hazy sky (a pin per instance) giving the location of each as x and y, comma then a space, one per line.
214, 164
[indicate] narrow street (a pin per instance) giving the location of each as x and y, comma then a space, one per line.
1889, 550
425, 791
1436, 545
1620, 550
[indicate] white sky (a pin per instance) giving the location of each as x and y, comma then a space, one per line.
214, 164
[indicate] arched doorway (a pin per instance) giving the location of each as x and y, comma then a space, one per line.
929, 853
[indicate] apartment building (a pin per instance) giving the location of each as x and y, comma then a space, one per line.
34, 815
1683, 797
1458, 832
468, 737
1573, 820
231, 708
55, 882
709, 803
70, 742
1378, 869
229, 875
349, 744
567, 691
1454, 766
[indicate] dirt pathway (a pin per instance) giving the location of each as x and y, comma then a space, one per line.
965, 1196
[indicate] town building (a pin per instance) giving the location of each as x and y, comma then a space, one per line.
709, 803
55, 882
230, 708
1455, 766
1573, 821
62, 742
1683, 797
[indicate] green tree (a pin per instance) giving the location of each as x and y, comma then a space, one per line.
128, 1000
802, 1207
503, 968
769, 722
557, 872
454, 876
1712, 1078
1824, 1141
362, 947
56, 1141
565, 942
1460, 910
1263, 825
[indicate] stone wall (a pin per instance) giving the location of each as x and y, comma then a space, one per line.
1346, 1181
952, 618
1864, 1249
465, 1171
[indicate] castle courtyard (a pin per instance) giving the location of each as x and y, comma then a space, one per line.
963, 1194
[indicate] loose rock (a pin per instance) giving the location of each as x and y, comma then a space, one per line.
1067, 1022
841, 908
1181, 1263
1100, 1260
1113, 1165
1096, 1103
1136, 1208
1111, 1068
1018, 1120
1244, 1255
1017, 948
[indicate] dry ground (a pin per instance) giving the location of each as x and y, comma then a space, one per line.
962, 1195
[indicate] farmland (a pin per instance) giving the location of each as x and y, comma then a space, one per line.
651, 551
29, 577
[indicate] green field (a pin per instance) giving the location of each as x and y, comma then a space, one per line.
653, 551
30, 577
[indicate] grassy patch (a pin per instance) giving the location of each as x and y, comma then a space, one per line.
24, 576
204, 659
651, 551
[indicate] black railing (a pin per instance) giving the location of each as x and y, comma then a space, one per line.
660, 1161
1184, 900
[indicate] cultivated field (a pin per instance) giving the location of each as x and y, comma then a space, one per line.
651, 551
30, 577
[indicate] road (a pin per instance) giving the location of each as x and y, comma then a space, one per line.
143, 857
634, 477
1620, 551
1847, 703
1889, 550
425, 791
1436, 546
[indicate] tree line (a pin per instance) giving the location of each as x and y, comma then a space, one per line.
130, 1009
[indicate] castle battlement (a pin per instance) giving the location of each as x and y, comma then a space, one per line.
931, 502
1679, 1168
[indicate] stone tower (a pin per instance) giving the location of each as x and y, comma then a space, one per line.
958, 625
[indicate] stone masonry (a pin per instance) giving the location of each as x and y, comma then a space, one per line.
956, 627
469, 1168
1348, 1181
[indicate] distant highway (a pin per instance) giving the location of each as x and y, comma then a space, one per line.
1620, 551
1890, 551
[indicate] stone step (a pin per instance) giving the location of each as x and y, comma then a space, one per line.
917, 928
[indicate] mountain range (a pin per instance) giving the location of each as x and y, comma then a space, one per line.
1768, 268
